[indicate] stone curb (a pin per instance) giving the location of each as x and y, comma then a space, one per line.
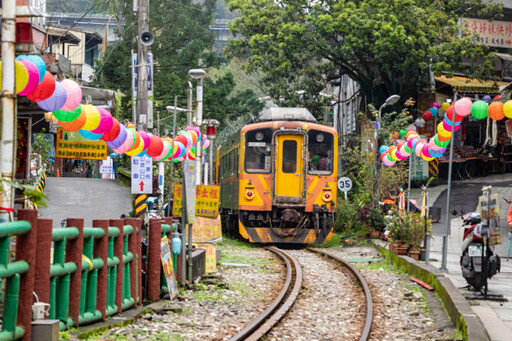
458, 309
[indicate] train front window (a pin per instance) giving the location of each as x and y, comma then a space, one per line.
258, 157
320, 149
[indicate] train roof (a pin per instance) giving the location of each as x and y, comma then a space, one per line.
285, 114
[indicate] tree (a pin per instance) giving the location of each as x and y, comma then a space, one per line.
385, 45
182, 42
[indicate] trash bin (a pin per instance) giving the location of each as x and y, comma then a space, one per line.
435, 214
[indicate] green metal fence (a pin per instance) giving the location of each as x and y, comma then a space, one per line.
11, 272
60, 275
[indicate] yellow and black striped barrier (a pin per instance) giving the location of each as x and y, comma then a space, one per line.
140, 205
433, 168
40, 188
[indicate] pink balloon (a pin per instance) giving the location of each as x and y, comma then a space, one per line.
179, 150
463, 106
206, 143
106, 122
145, 138
424, 150
33, 77
74, 93
388, 163
403, 152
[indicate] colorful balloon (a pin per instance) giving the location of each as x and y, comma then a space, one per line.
33, 77
38, 61
113, 132
92, 117
127, 144
74, 125
463, 106
427, 115
487, 99
67, 116
74, 94
106, 122
119, 140
383, 149
495, 111
56, 100
155, 146
434, 111
445, 105
479, 109
90, 135
44, 90
507, 109
436, 105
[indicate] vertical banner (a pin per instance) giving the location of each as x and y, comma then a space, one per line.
166, 257
207, 201
176, 201
490, 212
189, 181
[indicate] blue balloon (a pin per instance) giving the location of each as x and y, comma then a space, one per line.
434, 111
383, 149
143, 153
89, 135
487, 99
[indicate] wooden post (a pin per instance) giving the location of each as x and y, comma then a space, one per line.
43, 264
154, 263
101, 251
118, 252
74, 250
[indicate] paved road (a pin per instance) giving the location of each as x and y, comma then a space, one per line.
85, 198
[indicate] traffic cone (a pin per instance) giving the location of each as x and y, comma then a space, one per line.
58, 173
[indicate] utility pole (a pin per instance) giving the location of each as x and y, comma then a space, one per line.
8, 108
142, 66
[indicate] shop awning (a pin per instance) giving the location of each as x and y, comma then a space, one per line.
463, 84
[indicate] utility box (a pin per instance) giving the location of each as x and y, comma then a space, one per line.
45, 330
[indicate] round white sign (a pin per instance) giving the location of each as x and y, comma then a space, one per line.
344, 184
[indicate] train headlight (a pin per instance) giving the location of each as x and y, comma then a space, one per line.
249, 194
327, 196
320, 138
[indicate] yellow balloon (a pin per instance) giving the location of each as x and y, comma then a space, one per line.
445, 106
425, 157
507, 109
393, 155
21, 76
92, 117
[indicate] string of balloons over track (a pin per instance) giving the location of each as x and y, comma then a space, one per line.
64, 100
437, 145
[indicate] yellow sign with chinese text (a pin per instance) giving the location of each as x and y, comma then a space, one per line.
211, 257
72, 145
207, 201
176, 201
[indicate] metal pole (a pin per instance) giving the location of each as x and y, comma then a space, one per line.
199, 121
211, 162
183, 229
447, 229
142, 67
8, 113
409, 183
189, 272
375, 157
171, 177
189, 104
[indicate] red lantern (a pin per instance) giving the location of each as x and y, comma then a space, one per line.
427, 115
44, 90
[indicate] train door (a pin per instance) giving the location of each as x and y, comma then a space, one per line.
289, 166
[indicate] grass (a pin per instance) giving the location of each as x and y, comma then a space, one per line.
244, 245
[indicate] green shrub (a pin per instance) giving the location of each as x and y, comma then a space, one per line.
345, 217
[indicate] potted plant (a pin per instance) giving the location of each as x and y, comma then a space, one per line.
376, 222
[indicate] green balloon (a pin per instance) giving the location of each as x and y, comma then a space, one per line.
403, 132
68, 116
479, 109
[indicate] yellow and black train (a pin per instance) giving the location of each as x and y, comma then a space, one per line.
278, 179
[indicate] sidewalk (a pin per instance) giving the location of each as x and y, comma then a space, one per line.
495, 316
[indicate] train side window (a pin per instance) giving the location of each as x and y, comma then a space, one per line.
258, 151
289, 156
320, 152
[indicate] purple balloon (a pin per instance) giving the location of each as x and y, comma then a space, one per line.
487, 99
119, 140
56, 100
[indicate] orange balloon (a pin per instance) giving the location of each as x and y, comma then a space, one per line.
75, 125
442, 138
495, 111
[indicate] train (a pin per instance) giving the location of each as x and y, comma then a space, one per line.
278, 178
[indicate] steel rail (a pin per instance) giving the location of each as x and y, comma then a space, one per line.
283, 302
360, 278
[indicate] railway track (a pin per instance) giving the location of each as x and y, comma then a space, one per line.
262, 324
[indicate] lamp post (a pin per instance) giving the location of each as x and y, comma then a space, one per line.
389, 101
199, 75
211, 135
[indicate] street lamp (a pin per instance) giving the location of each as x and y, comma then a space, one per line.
389, 101
211, 135
199, 75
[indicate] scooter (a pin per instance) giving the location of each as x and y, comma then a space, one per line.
475, 263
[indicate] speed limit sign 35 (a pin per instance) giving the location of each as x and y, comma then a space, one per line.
344, 184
